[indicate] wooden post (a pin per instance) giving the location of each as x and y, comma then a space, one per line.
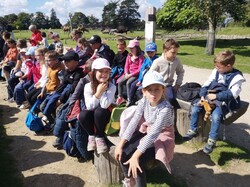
108, 169
183, 124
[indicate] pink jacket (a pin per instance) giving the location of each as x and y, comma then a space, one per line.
164, 144
133, 67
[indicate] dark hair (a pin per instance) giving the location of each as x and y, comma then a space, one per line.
43, 34
11, 41
170, 43
121, 41
83, 41
52, 54
225, 57
21, 43
6, 35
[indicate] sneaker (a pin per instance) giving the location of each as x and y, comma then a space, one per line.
58, 142
190, 135
120, 100
101, 145
11, 100
128, 182
91, 143
25, 105
209, 146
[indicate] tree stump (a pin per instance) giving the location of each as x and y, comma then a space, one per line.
108, 169
183, 124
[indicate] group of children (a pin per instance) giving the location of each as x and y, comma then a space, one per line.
96, 77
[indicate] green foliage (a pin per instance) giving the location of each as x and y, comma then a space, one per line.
109, 15
226, 152
54, 21
176, 15
79, 18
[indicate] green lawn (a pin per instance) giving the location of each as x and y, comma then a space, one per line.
192, 51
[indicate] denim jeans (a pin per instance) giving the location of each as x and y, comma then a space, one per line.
215, 124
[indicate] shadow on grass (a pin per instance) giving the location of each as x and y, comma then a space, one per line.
195, 170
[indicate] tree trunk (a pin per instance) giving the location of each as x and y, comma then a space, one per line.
210, 40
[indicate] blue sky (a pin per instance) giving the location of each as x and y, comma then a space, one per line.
64, 7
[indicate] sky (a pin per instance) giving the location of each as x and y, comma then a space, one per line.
64, 7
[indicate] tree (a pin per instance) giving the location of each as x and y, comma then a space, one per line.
79, 19
128, 14
109, 15
40, 20
54, 21
176, 15
93, 21
23, 21
214, 10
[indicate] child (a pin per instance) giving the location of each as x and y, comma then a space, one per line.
71, 77
44, 41
138, 146
222, 88
35, 91
98, 95
151, 50
131, 70
57, 44
167, 65
84, 51
9, 62
119, 60
55, 72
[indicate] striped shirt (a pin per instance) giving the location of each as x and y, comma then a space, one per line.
158, 117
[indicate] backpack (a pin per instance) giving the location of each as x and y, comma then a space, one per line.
189, 91
69, 144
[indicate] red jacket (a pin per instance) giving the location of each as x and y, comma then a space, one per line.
36, 37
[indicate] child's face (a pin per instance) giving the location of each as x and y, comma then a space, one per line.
51, 62
133, 50
102, 75
154, 93
11, 45
223, 69
151, 54
71, 65
121, 47
39, 57
171, 53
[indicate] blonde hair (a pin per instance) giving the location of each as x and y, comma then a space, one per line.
225, 57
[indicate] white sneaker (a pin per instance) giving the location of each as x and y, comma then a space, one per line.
91, 143
25, 105
101, 145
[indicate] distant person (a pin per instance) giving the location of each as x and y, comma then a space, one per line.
222, 89
57, 45
101, 50
36, 36
9, 29
84, 51
75, 35
44, 41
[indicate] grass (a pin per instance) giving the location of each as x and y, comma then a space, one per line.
9, 175
192, 51
225, 152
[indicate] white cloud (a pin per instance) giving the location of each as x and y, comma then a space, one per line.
64, 7
12, 6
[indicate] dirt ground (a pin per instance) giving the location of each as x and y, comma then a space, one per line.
40, 164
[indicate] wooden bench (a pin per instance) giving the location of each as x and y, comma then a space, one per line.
183, 120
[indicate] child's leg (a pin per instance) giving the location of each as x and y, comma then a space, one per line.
133, 89
128, 84
51, 104
101, 118
195, 117
216, 121
122, 81
86, 119
19, 94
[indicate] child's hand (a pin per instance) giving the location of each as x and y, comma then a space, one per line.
102, 87
133, 166
127, 76
40, 96
118, 153
211, 97
138, 83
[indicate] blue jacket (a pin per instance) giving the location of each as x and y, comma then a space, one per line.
145, 67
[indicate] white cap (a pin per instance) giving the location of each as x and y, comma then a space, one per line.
100, 63
152, 77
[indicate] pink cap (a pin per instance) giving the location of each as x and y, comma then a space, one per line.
133, 43
100, 63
